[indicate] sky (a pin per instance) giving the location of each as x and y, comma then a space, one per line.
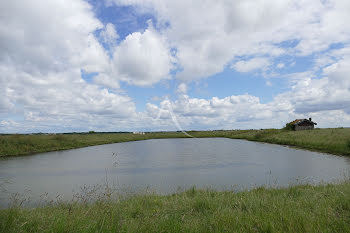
151, 65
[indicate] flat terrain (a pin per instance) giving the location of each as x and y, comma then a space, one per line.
334, 141
303, 208
295, 209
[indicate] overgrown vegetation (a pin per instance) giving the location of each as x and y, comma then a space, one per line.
335, 141
332, 141
302, 208
289, 126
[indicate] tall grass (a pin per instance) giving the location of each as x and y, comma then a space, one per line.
302, 208
335, 141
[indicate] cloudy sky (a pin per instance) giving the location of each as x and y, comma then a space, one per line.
141, 65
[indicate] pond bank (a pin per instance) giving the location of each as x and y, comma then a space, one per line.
333, 141
302, 208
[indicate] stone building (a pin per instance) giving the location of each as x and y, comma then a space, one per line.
303, 124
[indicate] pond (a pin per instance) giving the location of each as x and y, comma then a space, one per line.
166, 166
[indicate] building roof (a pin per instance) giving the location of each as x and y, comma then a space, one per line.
298, 121
295, 121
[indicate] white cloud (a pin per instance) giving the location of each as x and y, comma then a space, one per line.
214, 112
142, 58
280, 65
241, 112
331, 92
44, 46
182, 88
109, 35
50, 36
44, 50
209, 35
252, 64
62, 94
326, 99
107, 80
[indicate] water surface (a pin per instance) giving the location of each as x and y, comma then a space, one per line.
165, 165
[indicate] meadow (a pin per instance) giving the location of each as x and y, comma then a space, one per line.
334, 141
302, 208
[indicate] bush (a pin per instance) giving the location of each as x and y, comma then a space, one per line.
289, 126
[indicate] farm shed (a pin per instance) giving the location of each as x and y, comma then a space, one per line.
302, 124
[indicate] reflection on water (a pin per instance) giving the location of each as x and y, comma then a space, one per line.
164, 165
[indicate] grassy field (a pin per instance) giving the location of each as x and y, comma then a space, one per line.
334, 141
302, 208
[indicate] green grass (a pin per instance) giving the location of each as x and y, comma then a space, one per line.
301, 208
21, 144
334, 141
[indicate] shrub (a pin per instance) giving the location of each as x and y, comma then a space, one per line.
289, 126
